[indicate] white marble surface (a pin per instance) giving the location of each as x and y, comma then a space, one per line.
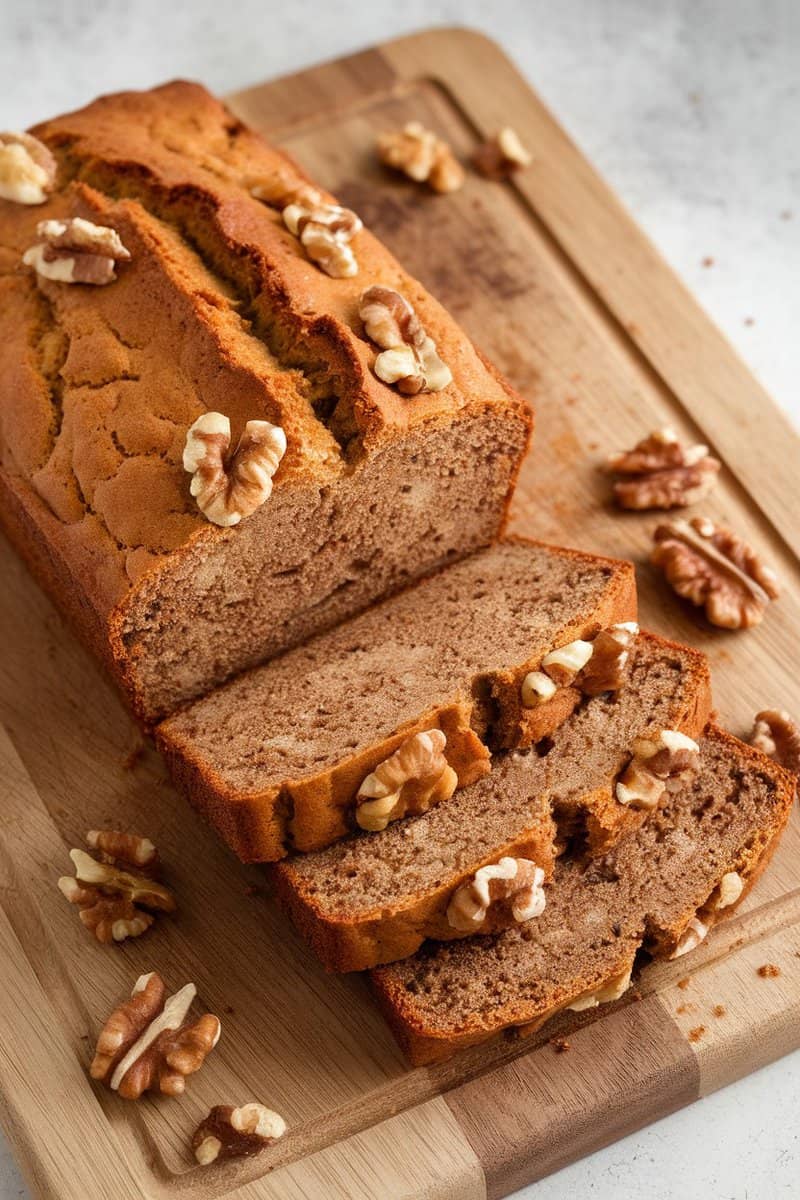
691, 109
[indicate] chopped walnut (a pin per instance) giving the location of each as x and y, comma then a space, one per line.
422, 156
27, 169
595, 667
409, 358
325, 230
230, 486
147, 1044
661, 473
610, 991
501, 155
661, 763
282, 188
730, 889
711, 566
607, 669
118, 895
509, 891
410, 781
694, 933
777, 734
229, 1132
76, 251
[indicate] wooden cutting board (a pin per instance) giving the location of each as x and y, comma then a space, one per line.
556, 283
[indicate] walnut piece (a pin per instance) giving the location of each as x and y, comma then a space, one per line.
229, 1132
694, 933
148, 1045
422, 156
711, 566
409, 781
282, 188
610, 991
27, 169
325, 230
661, 473
231, 486
659, 764
115, 894
730, 889
409, 359
509, 891
76, 251
501, 155
777, 735
595, 667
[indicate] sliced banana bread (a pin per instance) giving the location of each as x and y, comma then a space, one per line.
660, 889
375, 897
218, 308
308, 747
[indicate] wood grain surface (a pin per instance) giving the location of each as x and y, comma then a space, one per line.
555, 283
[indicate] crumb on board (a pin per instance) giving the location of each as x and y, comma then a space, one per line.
683, 1009
684, 983
635, 994
708, 261
228, 1008
768, 971
560, 1045
696, 1033
719, 1010
749, 320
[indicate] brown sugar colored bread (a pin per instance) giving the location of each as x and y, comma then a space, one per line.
659, 889
275, 758
375, 897
220, 309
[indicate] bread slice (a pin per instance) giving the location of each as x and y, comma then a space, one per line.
657, 890
220, 309
275, 758
375, 897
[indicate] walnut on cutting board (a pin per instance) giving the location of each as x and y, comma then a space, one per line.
149, 1044
659, 472
229, 1132
777, 734
501, 155
422, 156
117, 895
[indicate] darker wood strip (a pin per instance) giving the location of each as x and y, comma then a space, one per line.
532, 1116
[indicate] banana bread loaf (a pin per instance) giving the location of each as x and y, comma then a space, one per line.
375, 897
291, 755
218, 308
660, 889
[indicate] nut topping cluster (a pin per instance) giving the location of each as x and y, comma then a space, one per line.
711, 566
661, 473
325, 230
422, 156
148, 1044
408, 357
507, 892
659, 764
76, 251
118, 895
409, 781
777, 734
230, 486
610, 991
229, 1132
595, 667
27, 169
501, 155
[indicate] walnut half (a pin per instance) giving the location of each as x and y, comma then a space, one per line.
409, 358
117, 896
408, 782
422, 156
230, 486
595, 666
27, 169
661, 473
501, 155
229, 1132
712, 567
147, 1044
76, 251
660, 763
325, 230
777, 734
506, 892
